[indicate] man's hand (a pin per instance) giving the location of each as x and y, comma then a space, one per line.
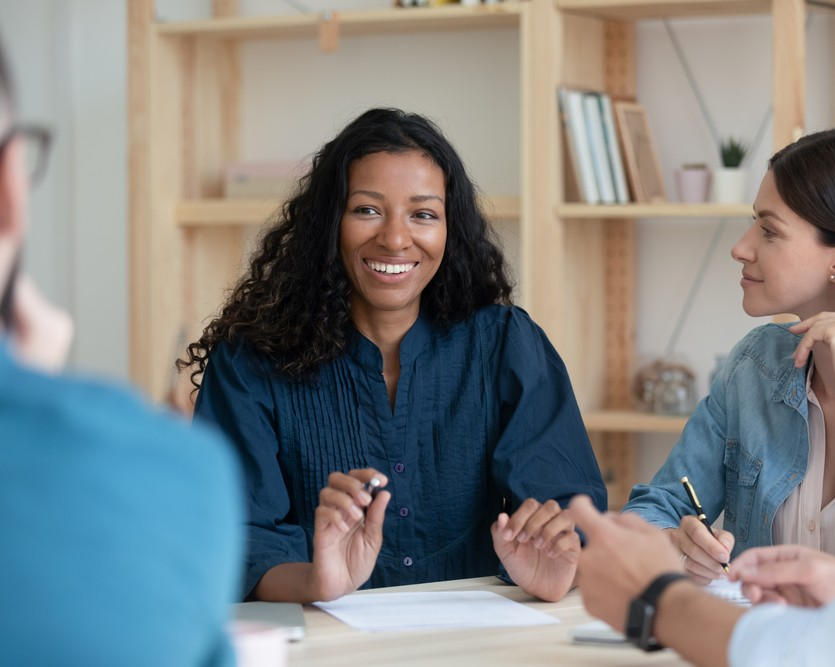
623, 554
787, 573
42, 333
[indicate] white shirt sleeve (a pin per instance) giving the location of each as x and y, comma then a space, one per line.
775, 635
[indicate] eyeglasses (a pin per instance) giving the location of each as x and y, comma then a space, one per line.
36, 140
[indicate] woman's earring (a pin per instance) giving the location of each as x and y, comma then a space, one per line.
832, 277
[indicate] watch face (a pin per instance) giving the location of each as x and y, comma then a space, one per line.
639, 625
635, 620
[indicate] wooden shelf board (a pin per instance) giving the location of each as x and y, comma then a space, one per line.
502, 207
660, 210
381, 21
632, 421
224, 212
635, 10
210, 212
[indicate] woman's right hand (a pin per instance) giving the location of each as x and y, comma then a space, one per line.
347, 533
701, 555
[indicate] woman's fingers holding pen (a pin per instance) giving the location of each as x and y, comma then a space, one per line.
351, 494
704, 552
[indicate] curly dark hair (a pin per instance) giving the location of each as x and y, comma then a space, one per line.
293, 305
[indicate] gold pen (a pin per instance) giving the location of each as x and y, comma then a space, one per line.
700, 514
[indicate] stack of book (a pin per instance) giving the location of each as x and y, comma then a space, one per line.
594, 153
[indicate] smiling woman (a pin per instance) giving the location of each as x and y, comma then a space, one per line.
372, 344
392, 240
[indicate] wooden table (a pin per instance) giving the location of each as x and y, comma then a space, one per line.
330, 643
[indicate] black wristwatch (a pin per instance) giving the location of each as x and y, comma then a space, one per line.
641, 617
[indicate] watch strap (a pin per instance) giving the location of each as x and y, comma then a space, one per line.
658, 585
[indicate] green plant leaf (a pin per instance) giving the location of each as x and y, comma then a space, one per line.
732, 151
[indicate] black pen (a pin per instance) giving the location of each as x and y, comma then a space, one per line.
700, 514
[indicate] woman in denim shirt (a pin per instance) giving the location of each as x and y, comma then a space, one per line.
757, 446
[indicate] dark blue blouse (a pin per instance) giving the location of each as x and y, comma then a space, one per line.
484, 418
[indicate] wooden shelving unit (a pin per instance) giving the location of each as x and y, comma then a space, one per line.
577, 262
601, 35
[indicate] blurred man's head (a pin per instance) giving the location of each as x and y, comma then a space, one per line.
13, 191
7, 99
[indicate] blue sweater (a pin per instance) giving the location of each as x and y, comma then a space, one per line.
485, 417
120, 529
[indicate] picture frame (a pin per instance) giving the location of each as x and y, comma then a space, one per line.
643, 168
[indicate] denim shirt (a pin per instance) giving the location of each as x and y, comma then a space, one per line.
746, 446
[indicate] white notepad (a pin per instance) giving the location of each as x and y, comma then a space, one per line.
286, 615
380, 612
596, 632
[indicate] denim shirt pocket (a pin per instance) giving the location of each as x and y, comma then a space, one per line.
741, 473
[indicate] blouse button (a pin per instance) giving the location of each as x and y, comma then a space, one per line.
811, 526
407, 561
399, 467
404, 511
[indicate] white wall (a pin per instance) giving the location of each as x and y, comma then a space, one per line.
70, 65
69, 56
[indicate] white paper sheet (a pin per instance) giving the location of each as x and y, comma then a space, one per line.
728, 590
382, 612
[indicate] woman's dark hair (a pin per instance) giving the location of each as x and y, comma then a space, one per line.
804, 173
293, 304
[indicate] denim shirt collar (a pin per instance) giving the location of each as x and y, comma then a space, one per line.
791, 388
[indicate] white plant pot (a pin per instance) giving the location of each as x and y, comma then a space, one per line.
729, 185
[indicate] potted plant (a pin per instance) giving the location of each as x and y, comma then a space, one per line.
730, 179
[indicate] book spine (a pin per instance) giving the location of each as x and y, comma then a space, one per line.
571, 102
597, 146
613, 149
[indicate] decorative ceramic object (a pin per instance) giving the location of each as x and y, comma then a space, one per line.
693, 183
665, 387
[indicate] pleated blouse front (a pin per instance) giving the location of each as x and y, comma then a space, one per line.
484, 417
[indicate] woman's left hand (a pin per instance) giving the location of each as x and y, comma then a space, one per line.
539, 548
817, 329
